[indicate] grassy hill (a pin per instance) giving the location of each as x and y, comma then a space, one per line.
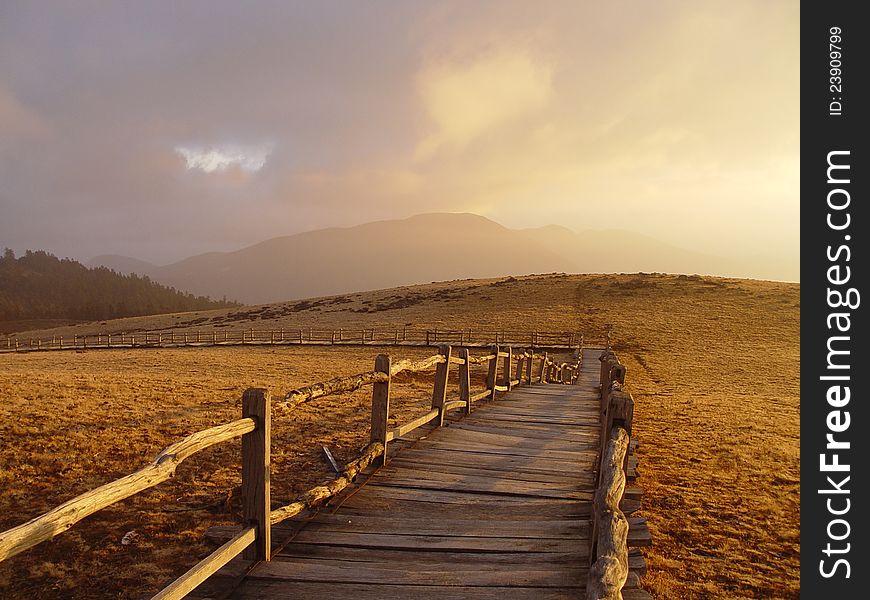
713, 365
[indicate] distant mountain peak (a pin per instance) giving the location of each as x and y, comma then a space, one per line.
437, 246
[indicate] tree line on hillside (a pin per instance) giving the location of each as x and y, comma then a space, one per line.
38, 285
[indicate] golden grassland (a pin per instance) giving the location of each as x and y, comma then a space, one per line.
713, 365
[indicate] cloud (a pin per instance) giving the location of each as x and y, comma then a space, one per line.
465, 99
220, 158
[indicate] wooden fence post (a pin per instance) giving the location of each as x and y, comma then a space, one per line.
541, 374
520, 364
621, 410
529, 367
439, 391
508, 367
381, 407
465, 379
256, 458
492, 376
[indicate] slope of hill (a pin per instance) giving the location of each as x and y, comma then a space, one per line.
631, 252
39, 286
429, 247
121, 264
713, 364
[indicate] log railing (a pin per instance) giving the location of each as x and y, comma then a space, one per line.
432, 337
254, 540
609, 542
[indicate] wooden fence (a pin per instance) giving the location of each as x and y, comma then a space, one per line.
406, 336
609, 552
518, 367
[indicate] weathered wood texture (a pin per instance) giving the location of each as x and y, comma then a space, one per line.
256, 469
610, 527
381, 404
337, 385
493, 505
318, 494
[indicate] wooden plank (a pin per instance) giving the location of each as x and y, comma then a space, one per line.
454, 404
396, 502
516, 442
424, 557
278, 590
638, 533
496, 470
530, 421
472, 458
571, 527
481, 395
440, 573
435, 542
208, 566
491, 486
412, 425
560, 432
577, 454
636, 561
449, 472
381, 495
583, 415
463, 429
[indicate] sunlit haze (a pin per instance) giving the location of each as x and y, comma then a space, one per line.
163, 130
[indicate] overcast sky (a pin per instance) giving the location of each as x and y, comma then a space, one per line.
164, 129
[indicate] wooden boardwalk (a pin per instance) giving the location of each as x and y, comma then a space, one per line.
494, 505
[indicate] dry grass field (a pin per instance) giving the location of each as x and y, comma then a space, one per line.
713, 365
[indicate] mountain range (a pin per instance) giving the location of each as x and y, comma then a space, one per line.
424, 248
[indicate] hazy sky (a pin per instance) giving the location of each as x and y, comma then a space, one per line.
164, 129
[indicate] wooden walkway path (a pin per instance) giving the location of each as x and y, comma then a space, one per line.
496, 505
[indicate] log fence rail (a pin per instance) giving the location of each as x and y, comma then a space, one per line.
609, 554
